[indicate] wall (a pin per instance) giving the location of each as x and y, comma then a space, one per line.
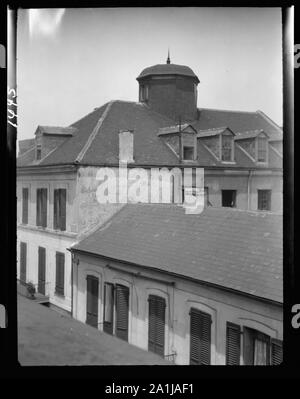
221, 305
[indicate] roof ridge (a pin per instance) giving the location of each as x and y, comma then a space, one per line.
94, 133
227, 110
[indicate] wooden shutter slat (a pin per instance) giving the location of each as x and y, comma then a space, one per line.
92, 301
122, 309
156, 330
60, 273
200, 337
44, 207
233, 343
25, 205
276, 352
41, 270
55, 210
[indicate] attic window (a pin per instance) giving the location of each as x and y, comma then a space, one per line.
38, 152
261, 149
188, 153
226, 148
144, 93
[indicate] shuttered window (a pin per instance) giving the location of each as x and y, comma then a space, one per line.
41, 270
156, 329
276, 352
92, 284
59, 221
200, 337
122, 310
60, 273
233, 344
41, 207
23, 260
25, 205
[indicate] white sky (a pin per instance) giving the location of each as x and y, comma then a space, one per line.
87, 57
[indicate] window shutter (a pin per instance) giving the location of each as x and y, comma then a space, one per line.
60, 273
63, 200
44, 207
23, 258
108, 314
122, 308
92, 301
156, 330
25, 206
42, 270
276, 352
38, 207
200, 337
55, 210
233, 344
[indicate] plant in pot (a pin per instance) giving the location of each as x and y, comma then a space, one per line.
31, 290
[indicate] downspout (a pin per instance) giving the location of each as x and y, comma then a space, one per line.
249, 190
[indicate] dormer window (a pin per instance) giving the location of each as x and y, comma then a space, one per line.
226, 148
188, 153
38, 152
144, 93
261, 149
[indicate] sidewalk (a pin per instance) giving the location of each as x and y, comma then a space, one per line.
45, 337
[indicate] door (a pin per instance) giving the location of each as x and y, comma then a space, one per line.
122, 310
156, 328
229, 198
108, 313
42, 270
23, 259
200, 337
92, 301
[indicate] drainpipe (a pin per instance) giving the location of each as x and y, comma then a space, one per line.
249, 189
72, 264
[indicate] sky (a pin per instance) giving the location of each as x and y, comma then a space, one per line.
74, 60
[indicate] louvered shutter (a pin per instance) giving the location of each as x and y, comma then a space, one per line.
55, 210
276, 352
60, 273
25, 205
44, 207
23, 256
156, 329
62, 207
233, 344
92, 301
41, 270
122, 309
38, 207
200, 337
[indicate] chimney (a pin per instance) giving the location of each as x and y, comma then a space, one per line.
126, 146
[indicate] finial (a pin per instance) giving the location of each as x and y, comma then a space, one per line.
168, 59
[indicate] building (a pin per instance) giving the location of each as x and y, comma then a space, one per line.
196, 289
241, 153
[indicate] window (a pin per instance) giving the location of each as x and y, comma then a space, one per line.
25, 205
156, 325
260, 349
60, 273
41, 207
233, 344
144, 93
23, 261
108, 313
200, 337
261, 149
188, 153
229, 198
38, 152
92, 289
264, 200
59, 222
227, 142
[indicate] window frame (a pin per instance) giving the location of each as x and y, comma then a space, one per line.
259, 138
25, 220
232, 148
59, 212
42, 217
38, 152
60, 289
268, 199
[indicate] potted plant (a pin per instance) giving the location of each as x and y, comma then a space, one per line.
31, 289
